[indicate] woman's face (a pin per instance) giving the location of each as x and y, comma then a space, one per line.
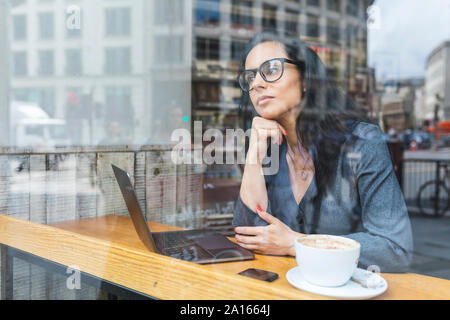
273, 99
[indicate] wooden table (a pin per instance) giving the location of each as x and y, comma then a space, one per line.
109, 249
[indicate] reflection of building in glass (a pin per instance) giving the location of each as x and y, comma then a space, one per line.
437, 83
131, 60
136, 70
335, 29
106, 70
399, 103
365, 92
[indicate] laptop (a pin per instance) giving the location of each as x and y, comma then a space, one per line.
199, 246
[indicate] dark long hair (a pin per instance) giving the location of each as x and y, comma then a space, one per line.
328, 117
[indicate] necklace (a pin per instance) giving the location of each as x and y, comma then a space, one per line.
304, 173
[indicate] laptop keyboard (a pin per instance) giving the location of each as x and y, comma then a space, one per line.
181, 246
175, 241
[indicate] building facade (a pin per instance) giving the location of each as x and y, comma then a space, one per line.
437, 84
335, 29
401, 104
96, 63
146, 63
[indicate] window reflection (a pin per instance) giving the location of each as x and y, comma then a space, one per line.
130, 72
207, 12
269, 20
91, 52
241, 14
112, 81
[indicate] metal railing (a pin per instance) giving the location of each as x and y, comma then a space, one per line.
425, 185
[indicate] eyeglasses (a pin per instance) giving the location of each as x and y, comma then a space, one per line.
271, 71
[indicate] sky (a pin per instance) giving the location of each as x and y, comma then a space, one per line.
404, 33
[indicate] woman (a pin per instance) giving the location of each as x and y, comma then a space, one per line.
335, 173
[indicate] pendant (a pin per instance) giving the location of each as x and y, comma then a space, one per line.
304, 175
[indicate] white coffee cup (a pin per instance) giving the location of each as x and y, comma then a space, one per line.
326, 260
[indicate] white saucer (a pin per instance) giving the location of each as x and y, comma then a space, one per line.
350, 290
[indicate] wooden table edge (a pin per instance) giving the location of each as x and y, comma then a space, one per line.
195, 281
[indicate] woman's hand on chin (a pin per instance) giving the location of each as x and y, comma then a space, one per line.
262, 130
274, 239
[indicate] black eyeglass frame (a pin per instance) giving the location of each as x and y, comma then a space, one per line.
300, 64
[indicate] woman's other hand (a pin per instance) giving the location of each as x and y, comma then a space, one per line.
274, 239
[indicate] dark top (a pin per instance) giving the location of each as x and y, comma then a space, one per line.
364, 202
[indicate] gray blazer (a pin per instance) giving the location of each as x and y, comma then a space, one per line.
364, 202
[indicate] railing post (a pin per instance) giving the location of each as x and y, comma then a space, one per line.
436, 190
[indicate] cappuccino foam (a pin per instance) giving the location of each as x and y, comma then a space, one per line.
326, 243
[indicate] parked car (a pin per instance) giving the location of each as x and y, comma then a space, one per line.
31, 126
421, 139
444, 141
406, 138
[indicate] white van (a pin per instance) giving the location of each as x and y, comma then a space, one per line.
31, 126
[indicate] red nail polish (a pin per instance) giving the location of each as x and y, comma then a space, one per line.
259, 208
285, 133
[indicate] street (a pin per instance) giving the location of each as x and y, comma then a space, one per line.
431, 246
431, 235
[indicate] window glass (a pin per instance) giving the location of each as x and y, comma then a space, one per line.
162, 90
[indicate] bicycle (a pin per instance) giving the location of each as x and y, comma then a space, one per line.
433, 198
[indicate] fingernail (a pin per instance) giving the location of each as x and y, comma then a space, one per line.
259, 208
285, 133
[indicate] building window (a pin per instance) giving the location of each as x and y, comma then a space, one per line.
334, 5
352, 34
119, 106
118, 22
207, 12
206, 92
312, 27
73, 62
46, 63
168, 49
20, 64
46, 25
19, 27
315, 3
207, 49
269, 20
352, 7
333, 30
169, 12
241, 13
74, 32
118, 60
291, 22
237, 48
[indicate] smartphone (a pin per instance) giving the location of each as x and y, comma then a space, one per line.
260, 274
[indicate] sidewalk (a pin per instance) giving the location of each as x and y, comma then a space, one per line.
431, 246
441, 154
